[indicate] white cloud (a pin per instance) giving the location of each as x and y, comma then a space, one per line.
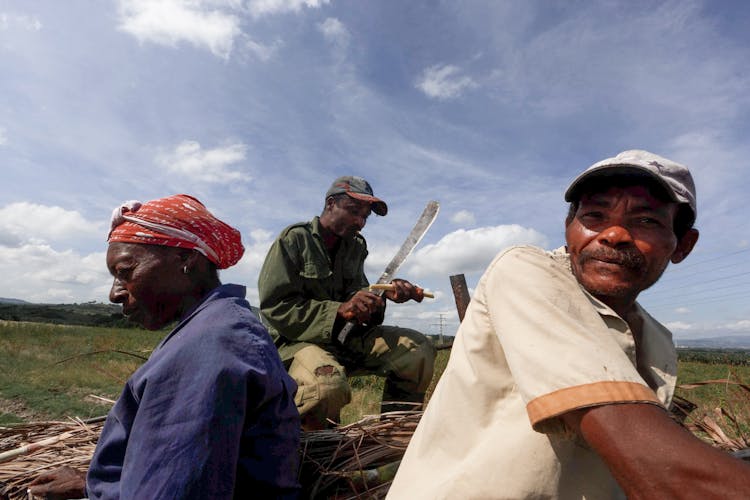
211, 165
29, 23
444, 82
708, 328
463, 217
335, 32
471, 251
23, 222
678, 326
209, 24
246, 271
741, 325
682, 310
262, 51
39, 273
34, 270
263, 7
261, 235
202, 23
3, 137
638, 60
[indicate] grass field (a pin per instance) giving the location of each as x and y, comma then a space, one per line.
52, 371
726, 403
366, 392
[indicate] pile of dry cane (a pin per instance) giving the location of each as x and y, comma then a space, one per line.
708, 425
28, 450
355, 461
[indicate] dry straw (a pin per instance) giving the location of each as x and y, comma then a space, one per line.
353, 461
34, 448
356, 461
708, 424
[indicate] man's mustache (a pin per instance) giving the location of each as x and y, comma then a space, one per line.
630, 257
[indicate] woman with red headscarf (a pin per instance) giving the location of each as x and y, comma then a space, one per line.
211, 414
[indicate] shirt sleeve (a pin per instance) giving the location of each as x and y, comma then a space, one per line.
285, 305
191, 410
562, 353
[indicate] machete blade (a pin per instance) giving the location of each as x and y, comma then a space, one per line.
415, 236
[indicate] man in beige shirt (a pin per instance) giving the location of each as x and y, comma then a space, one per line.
558, 381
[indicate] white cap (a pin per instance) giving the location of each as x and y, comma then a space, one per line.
675, 178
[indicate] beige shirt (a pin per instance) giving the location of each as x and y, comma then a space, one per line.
532, 346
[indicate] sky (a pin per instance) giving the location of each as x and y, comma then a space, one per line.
254, 107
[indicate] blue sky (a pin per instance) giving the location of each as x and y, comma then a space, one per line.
255, 106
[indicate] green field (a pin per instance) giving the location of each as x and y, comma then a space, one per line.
53, 371
726, 402
49, 371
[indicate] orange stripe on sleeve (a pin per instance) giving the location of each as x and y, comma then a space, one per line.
583, 396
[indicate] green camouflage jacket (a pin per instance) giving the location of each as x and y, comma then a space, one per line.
301, 289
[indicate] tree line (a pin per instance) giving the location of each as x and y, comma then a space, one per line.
89, 314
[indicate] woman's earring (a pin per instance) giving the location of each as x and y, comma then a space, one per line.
185, 270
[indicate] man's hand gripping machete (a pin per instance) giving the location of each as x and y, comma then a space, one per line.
420, 228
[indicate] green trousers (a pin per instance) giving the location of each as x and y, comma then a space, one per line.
403, 356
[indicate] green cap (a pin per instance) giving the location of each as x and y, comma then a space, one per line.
359, 189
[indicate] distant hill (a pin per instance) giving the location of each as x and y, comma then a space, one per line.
725, 342
88, 314
3, 300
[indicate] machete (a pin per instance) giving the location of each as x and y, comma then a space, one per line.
423, 224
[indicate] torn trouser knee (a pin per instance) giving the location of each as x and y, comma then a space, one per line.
322, 388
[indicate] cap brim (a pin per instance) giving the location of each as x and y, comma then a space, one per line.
610, 170
378, 205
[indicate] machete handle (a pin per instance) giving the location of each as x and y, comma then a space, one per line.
390, 287
350, 323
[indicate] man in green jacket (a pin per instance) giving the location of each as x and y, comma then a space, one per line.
313, 282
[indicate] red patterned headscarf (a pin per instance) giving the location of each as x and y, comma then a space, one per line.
177, 221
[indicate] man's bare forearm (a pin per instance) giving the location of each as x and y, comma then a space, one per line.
651, 456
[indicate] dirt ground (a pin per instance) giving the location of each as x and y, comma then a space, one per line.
20, 410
